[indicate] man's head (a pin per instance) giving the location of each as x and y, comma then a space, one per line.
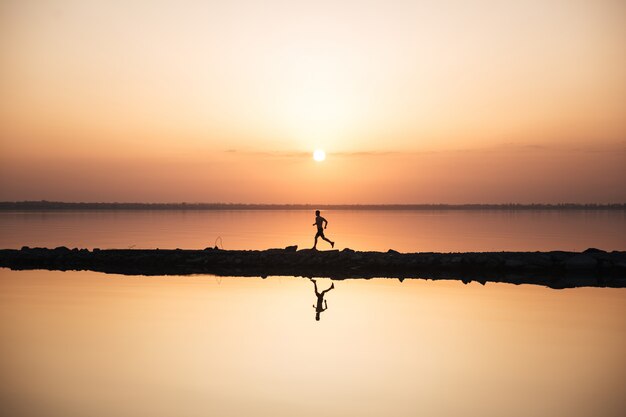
317, 212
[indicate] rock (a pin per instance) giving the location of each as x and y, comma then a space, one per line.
195, 260
580, 261
539, 260
559, 256
347, 250
514, 263
394, 252
291, 248
593, 250
275, 251
448, 260
492, 262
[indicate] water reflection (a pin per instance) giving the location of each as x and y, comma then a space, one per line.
320, 299
83, 343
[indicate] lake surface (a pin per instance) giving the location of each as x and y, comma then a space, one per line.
90, 344
405, 231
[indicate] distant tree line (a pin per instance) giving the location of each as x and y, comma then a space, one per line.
57, 205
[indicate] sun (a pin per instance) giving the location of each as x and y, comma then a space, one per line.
319, 155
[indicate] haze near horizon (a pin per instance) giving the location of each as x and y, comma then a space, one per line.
412, 102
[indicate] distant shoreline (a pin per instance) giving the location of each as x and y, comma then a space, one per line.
57, 205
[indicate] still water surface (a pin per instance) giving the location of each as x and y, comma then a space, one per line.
406, 231
91, 344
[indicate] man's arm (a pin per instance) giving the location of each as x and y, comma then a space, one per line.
325, 222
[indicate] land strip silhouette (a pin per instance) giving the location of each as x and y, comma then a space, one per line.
60, 205
556, 269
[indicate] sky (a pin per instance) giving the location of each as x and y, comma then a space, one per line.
412, 101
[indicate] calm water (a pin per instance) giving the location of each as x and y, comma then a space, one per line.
407, 231
91, 344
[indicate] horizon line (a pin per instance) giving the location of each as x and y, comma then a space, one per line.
63, 205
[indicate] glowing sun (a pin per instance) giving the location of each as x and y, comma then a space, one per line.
319, 155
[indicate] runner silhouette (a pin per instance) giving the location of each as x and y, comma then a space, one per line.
320, 299
321, 224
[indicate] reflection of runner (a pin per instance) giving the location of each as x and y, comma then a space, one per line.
320, 299
319, 222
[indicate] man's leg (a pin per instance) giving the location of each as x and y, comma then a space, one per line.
329, 288
332, 244
315, 285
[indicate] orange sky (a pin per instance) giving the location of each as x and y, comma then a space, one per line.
414, 102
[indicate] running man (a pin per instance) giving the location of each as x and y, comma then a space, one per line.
320, 299
321, 224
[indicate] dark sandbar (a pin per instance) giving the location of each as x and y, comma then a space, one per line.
557, 269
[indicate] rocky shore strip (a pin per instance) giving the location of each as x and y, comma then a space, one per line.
557, 269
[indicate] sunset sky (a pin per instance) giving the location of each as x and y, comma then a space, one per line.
225, 101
